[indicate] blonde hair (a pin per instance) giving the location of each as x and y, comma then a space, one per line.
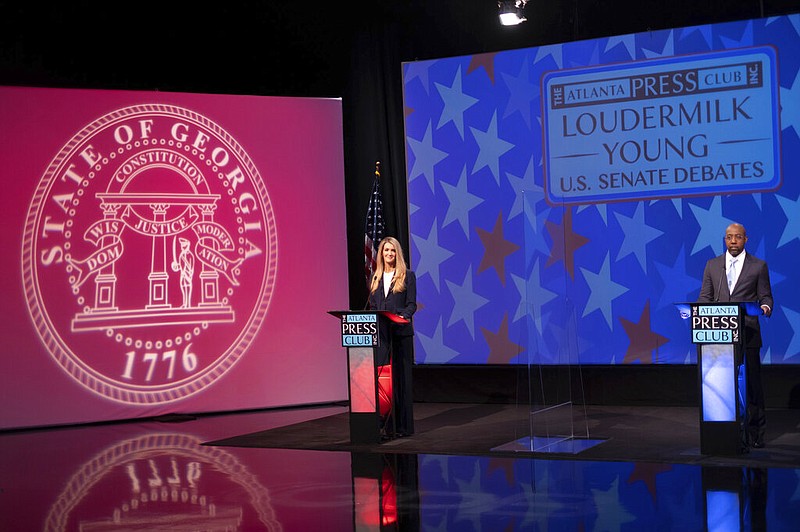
400, 268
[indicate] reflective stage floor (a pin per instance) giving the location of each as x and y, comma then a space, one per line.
164, 475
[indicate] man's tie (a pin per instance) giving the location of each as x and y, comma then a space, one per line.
731, 274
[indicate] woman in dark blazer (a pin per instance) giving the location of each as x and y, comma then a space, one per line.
394, 288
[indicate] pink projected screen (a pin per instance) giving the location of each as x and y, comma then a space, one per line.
168, 252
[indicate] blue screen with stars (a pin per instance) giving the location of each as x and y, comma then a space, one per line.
563, 198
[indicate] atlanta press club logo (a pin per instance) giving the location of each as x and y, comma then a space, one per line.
149, 254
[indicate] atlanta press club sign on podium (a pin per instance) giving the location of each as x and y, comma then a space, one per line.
367, 381
718, 331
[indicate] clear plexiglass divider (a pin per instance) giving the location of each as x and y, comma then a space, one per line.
553, 395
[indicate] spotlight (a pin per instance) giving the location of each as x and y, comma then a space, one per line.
511, 11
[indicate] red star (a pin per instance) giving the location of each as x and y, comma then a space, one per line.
643, 339
501, 348
496, 248
565, 243
483, 60
646, 472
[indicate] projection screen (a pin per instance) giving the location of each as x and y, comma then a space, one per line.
168, 252
564, 197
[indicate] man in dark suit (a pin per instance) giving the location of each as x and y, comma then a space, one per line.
739, 276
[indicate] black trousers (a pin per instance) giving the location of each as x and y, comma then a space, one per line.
402, 384
755, 414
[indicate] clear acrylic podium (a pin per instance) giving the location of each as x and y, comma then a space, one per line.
556, 419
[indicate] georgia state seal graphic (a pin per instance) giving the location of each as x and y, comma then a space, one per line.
149, 254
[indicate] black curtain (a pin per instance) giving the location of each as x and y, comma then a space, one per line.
373, 131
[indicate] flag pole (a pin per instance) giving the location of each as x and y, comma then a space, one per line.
374, 227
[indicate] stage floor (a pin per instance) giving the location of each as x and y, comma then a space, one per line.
294, 469
618, 433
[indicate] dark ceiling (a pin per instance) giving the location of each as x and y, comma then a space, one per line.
271, 47
246, 46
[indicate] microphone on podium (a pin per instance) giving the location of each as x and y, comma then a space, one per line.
366, 303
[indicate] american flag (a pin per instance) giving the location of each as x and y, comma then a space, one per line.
373, 229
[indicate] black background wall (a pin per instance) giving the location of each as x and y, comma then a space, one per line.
352, 50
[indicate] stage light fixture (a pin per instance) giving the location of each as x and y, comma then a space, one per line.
511, 12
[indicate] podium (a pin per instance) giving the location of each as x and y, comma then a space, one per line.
718, 331
369, 381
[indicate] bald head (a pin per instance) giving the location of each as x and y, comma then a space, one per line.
735, 238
